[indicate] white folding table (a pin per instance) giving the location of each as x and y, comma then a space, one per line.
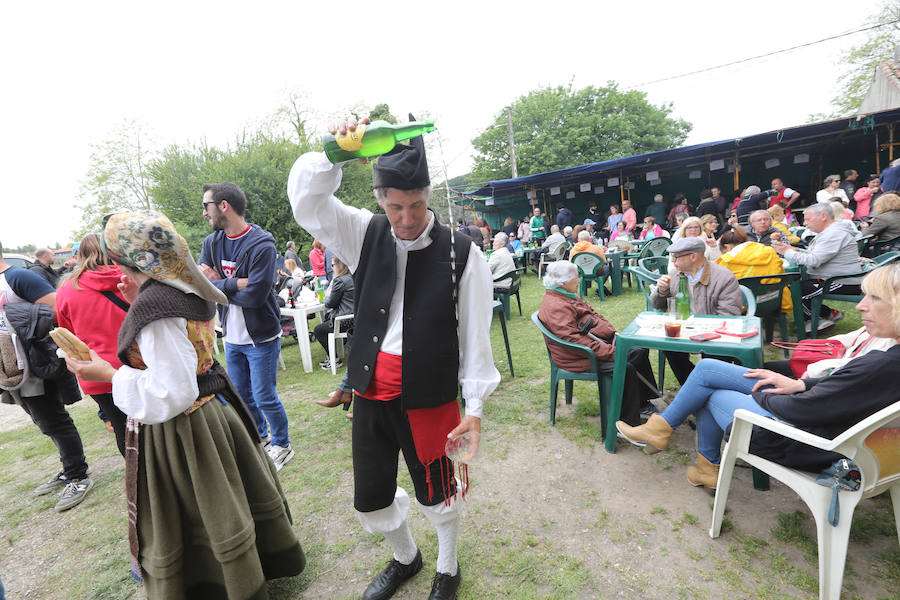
300, 315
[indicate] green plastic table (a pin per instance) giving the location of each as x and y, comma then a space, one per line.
747, 350
797, 300
531, 256
615, 270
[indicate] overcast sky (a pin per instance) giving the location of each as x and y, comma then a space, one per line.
189, 71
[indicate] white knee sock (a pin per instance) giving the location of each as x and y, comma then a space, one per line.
392, 523
446, 521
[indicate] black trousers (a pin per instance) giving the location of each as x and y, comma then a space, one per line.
380, 431
322, 330
636, 393
115, 416
780, 366
811, 288
52, 418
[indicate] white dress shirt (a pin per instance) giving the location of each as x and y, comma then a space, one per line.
311, 186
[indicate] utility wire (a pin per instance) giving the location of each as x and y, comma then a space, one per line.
743, 60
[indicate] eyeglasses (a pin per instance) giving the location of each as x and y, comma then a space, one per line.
205, 204
677, 256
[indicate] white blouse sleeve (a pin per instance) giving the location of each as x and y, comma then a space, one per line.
477, 373
168, 386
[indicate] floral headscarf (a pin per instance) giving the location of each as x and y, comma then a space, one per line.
147, 241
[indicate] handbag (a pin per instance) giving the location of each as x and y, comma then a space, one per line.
806, 352
843, 474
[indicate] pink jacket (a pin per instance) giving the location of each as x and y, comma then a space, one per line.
317, 262
92, 317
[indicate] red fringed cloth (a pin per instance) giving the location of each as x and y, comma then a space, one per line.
429, 426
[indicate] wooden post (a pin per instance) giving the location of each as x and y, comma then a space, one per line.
512, 144
737, 169
890, 143
877, 154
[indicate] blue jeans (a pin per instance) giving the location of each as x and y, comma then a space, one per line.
713, 391
253, 369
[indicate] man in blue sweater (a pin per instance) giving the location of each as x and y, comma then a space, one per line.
239, 259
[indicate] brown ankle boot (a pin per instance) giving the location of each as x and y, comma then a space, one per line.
336, 398
705, 473
655, 433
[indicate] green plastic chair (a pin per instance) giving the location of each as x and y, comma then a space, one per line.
498, 310
768, 291
817, 301
604, 380
862, 244
874, 249
658, 246
514, 286
590, 268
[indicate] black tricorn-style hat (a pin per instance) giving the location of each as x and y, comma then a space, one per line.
404, 167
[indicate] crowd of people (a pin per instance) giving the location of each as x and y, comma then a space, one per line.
198, 439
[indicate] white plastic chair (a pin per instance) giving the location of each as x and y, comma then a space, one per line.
554, 255
873, 443
333, 338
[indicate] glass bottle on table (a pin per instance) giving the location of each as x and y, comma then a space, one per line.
682, 299
371, 139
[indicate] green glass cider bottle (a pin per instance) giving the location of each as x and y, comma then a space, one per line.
371, 139
682, 299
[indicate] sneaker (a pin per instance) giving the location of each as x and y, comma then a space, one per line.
56, 481
326, 364
74, 493
266, 441
280, 456
836, 315
648, 410
823, 324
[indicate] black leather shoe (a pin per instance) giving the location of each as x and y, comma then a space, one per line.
386, 583
444, 587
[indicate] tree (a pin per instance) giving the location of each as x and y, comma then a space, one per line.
117, 178
559, 127
859, 62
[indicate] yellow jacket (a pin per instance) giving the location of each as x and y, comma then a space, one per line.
791, 239
752, 259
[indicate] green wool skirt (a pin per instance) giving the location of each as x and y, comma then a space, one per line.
212, 520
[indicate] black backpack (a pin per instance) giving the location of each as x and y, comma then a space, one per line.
32, 322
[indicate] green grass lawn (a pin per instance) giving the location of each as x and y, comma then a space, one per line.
550, 514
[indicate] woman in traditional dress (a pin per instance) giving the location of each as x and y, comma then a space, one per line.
207, 516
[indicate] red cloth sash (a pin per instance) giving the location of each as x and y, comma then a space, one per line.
429, 426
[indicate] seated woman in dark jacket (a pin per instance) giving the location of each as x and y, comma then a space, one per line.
339, 301
825, 406
562, 311
885, 224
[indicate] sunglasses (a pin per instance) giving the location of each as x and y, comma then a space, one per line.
205, 204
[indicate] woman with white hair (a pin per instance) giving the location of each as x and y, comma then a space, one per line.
831, 190
823, 406
572, 319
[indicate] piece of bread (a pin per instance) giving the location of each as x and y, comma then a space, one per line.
70, 344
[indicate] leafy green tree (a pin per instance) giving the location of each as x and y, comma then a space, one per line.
559, 127
859, 62
117, 178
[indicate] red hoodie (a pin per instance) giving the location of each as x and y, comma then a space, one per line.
93, 317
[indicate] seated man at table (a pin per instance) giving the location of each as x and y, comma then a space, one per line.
712, 288
501, 262
552, 242
761, 228
833, 251
572, 319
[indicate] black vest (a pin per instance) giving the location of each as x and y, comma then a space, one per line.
430, 343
